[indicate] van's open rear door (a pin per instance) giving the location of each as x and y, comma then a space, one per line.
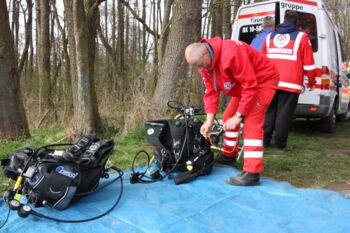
249, 19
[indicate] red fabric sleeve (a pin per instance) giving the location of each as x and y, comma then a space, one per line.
241, 68
308, 60
211, 97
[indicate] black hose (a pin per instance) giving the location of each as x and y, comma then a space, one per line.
6, 219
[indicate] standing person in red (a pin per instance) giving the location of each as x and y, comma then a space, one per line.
240, 71
291, 52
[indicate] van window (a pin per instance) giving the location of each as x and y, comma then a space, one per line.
307, 23
332, 49
341, 48
247, 33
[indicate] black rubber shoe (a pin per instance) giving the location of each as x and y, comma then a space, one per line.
225, 160
244, 179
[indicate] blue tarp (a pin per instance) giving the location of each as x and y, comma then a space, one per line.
206, 204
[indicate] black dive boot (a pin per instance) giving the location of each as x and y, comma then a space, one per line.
225, 160
244, 179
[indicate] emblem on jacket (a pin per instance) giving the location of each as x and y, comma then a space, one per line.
228, 86
281, 40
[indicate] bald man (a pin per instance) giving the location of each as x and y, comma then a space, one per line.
250, 78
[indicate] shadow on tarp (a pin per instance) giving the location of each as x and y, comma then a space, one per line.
206, 204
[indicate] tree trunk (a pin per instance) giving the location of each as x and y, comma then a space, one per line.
31, 57
28, 36
114, 87
15, 27
155, 28
66, 66
13, 122
109, 52
68, 7
86, 117
44, 58
216, 14
37, 32
185, 29
144, 45
120, 38
226, 15
164, 29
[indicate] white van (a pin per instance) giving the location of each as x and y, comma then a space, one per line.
330, 98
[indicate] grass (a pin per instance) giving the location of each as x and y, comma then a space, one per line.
317, 159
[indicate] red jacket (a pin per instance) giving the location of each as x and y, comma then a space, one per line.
237, 70
291, 52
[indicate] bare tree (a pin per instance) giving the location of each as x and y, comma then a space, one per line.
45, 102
226, 21
28, 35
13, 122
68, 111
120, 38
216, 14
15, 26
339, 10
185, 29
86, 116
165, 26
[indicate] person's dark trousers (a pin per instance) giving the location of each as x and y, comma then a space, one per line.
279, 116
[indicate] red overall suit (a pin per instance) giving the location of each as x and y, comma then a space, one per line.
250, 78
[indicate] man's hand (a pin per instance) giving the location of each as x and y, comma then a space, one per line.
232, 123
206, 128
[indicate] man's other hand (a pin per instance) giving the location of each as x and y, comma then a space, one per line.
232, 123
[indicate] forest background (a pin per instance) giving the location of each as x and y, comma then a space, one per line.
106, 66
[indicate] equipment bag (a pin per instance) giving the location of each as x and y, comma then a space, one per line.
178, 143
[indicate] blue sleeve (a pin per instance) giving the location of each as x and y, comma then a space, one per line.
258, 41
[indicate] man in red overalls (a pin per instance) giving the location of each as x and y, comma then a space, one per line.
240, 71
290, 50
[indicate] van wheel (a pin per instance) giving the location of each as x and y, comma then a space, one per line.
345, 116
328, 123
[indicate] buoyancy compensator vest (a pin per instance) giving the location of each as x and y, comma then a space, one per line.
56, 177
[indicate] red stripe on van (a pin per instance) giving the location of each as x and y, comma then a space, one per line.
304, 2
322, 87
256, 14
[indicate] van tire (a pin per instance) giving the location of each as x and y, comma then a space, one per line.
345, 116
328, 123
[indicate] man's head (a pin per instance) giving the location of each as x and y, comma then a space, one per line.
269, 22
291, 17
197, 55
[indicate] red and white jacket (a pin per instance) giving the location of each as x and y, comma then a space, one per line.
237, 70
291, 52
